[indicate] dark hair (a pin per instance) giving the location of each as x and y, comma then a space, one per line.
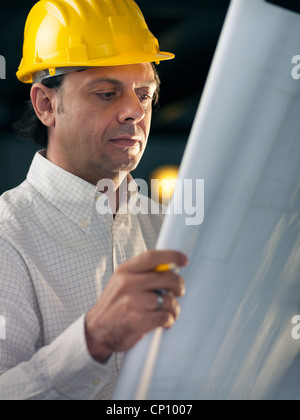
29, 127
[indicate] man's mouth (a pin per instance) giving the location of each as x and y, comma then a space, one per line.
126, 142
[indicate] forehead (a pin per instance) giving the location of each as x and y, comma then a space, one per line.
137, 75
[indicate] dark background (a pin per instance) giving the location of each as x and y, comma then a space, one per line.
188, 28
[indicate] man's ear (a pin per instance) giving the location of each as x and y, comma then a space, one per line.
43, 102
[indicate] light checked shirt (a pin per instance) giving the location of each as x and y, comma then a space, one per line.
57, 254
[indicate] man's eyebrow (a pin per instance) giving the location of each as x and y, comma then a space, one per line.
150, 83
119, 83
104, 80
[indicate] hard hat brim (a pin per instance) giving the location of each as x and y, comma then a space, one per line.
27, 75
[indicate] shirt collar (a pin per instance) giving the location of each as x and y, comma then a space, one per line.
69, 194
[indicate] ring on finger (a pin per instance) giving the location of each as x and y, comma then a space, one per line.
160, 300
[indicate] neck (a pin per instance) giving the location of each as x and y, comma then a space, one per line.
88, 173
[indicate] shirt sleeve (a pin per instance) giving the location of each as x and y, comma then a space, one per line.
62, 370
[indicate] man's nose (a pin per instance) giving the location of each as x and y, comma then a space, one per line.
131, 109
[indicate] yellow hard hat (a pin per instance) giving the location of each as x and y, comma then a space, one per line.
85, 33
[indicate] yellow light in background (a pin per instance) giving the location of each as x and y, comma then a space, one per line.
163, 181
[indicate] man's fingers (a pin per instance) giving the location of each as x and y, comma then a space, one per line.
141, 302
150, 281
168, 280
165, 319
151, 302
152, 259
159, 315
129, 306
167, 302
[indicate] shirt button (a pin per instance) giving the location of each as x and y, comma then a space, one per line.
96, 382
84, 224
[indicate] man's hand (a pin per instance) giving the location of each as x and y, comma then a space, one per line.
127, 310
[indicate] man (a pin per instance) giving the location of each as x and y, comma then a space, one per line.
78, 288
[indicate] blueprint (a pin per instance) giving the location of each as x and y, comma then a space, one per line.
238, 336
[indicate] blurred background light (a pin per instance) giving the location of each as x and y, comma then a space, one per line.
162, 183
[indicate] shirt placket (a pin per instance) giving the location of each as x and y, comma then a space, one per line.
120, 235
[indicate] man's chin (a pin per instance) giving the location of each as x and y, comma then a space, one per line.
124, 167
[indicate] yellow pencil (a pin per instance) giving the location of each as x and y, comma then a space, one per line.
165, 267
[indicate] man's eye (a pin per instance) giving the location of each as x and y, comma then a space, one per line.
146, 97
106, 95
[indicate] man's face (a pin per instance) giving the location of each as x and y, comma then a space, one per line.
103, 120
